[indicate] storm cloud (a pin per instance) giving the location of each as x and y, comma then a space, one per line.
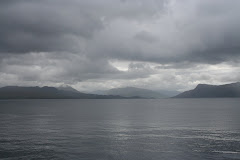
115, 43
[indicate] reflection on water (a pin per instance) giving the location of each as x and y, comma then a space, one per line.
193, 129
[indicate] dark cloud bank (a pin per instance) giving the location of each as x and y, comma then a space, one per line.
113, 43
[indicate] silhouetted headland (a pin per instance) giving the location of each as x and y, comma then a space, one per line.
212, 91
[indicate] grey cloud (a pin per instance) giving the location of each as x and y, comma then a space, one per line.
66, 68
205, 32
195, 34
58, 25
59, 41
146, 36
55, 67
36, 26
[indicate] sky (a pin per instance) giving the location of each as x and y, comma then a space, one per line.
102, 44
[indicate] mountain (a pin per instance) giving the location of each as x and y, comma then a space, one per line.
67, 88
212, 91
132, 92
15, 92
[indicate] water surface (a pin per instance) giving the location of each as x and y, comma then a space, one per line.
169, 129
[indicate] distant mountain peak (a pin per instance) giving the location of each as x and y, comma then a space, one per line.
65, 87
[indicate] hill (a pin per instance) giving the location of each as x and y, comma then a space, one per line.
212, 91
67, 88
15, 92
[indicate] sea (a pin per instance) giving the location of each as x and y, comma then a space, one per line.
120, 129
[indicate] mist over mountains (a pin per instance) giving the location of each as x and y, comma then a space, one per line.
139, 92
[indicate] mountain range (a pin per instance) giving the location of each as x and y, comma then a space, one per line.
138, 92
67, 92
15, 92
212, 91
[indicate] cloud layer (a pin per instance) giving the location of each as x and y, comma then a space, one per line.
116, 43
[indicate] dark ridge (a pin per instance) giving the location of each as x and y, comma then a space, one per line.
16, 92
213, 91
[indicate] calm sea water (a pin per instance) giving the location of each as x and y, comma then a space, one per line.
165, 129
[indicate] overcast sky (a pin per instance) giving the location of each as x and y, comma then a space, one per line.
102, 44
